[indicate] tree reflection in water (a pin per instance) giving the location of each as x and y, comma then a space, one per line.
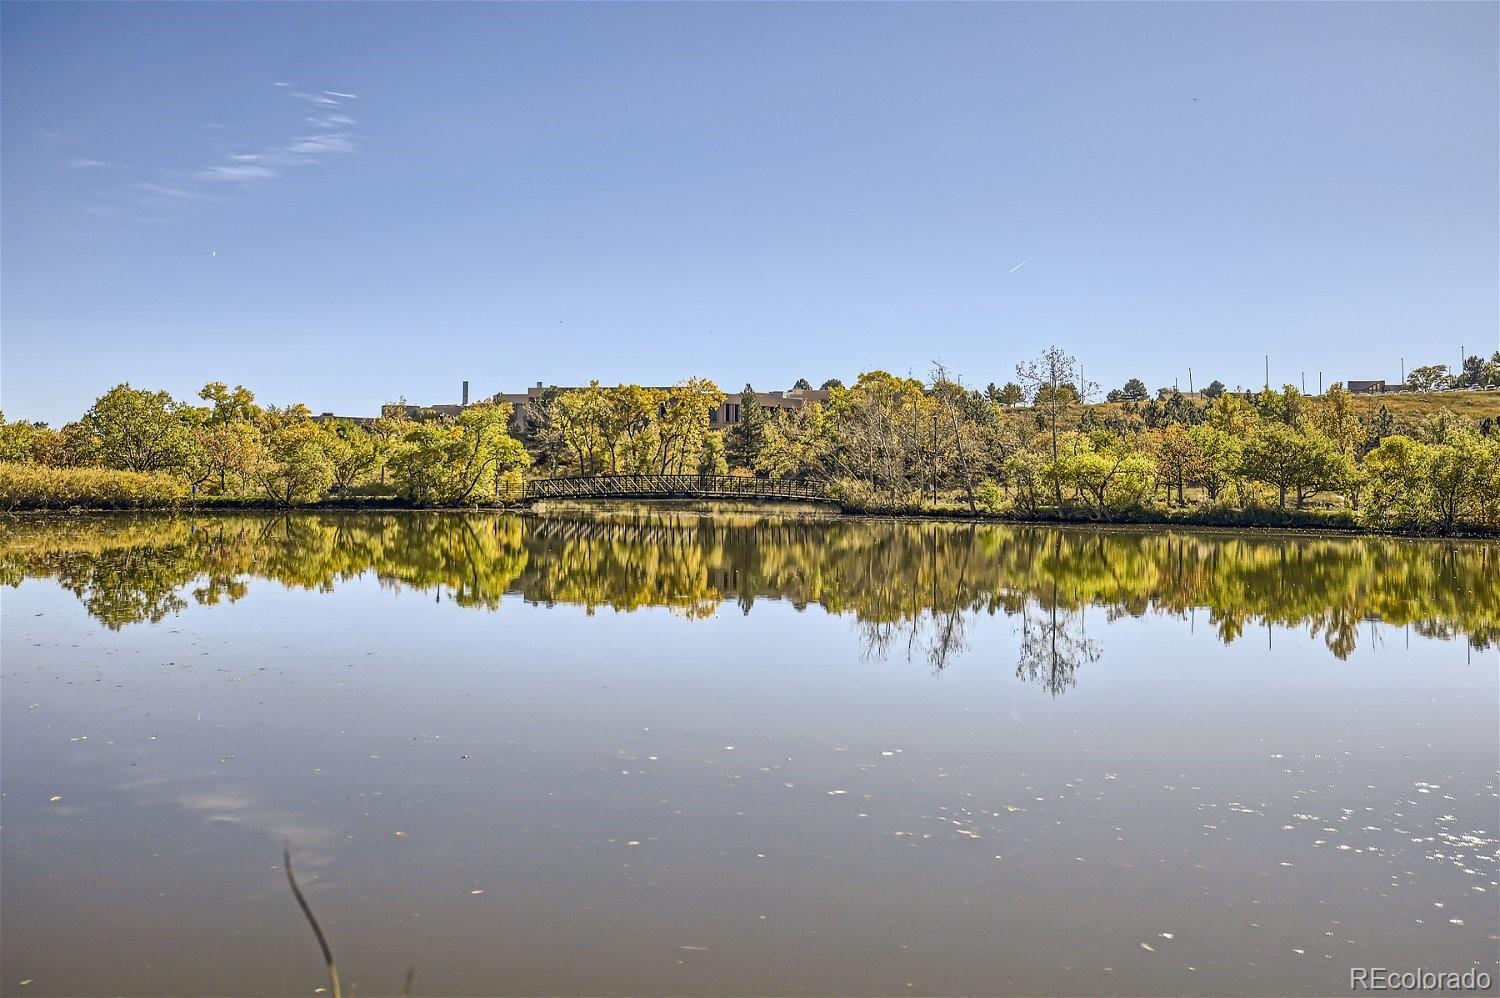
912, 586
1054, 645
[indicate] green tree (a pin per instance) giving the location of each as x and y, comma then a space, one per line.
1214, 390
293, 469
682, 424
138, 430
744, 439
1177, 458
230, 451
1464, 480
1134, 390
1431, 378
229, 404
19, 440
1108, 473
794, 445
1218, 459
881, 433
1301, 462
1397, 478
711, 455
353, 451
458, 461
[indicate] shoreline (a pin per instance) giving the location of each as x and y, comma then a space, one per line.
1135, 523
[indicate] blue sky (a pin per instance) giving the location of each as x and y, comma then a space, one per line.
342, 204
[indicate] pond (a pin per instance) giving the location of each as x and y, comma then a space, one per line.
654, 751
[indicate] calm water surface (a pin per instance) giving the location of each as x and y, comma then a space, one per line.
668, 752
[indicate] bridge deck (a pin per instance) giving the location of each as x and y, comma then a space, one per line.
672, 487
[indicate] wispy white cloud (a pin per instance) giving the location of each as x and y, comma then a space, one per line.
326, 130
166, 191
238, 171
331, 136
313, 145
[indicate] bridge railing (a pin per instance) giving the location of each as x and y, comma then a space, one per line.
670, 486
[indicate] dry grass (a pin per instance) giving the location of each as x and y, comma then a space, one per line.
1470, 405
1406, 407
30, 486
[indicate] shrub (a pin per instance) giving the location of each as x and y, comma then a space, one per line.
861, 496
40, 487
992, 498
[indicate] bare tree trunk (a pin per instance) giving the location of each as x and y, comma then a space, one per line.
958, 440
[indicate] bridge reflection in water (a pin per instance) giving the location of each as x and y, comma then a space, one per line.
674, 487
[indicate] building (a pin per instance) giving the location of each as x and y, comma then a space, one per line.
1370, 387
726, 414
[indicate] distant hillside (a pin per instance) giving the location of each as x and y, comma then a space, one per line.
1406, 406
1471, 405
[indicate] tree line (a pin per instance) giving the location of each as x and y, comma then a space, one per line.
230, 448
1031, 449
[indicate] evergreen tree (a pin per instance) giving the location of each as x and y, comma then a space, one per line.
1214, 389
1135, 391
1382, 426
744, 439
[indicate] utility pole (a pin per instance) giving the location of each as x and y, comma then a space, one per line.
1190, 381
1304, 382
1268, 370
1403, 370
1320, 382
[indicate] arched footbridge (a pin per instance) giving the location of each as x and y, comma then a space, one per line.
733, 487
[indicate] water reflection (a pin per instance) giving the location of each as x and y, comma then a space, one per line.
913, 587
724, 798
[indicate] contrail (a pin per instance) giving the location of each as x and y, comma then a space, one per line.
1020, 265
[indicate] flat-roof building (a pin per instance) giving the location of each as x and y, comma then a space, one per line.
727, 413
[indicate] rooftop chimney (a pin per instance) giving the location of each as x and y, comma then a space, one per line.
466, 393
